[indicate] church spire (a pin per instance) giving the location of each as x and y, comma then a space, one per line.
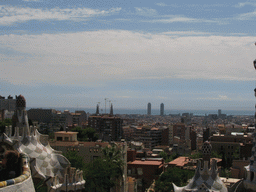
111, 110
97, 110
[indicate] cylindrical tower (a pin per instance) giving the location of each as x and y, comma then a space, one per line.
20, 102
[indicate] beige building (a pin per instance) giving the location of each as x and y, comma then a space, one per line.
67, 141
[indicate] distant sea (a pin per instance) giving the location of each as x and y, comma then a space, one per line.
156, 111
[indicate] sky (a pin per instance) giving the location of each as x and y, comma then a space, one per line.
185, 54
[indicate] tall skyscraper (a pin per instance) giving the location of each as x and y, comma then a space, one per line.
219, 112
149, 109
162, 109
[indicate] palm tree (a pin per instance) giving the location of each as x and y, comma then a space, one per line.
113, 155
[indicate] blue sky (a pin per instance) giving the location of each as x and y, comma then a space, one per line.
185, 54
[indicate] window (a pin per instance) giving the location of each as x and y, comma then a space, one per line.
139, 171
66, 139
59, 138
133, 170
95, 157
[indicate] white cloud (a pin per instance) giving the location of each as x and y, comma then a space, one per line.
90, 58
219, 98
161, 4
145, 11
239, 5
182, 33
183, 19
246, 16
10, 15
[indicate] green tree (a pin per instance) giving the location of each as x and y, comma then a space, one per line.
87, 134
166, 157
113, 155
4, 123
196, 155
236, 154
214, 154
102, 173
173, 175
75, 159
98, 176
225, 173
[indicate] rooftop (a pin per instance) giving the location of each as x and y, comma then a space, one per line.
145, 162
179, 162
66, 132
80, 144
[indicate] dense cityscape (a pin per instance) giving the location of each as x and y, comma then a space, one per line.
144, 152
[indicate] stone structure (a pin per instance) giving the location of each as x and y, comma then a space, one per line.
205, 179
24, 181
45, 163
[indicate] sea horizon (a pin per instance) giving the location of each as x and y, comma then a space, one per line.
196, 112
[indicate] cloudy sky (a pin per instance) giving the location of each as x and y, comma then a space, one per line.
185, 54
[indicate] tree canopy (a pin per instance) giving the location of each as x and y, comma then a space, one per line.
75, 159
173, 175
5, 122
87, 134
167, 158
198, 155
102, 173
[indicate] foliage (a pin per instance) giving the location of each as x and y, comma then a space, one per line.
198, 155
173, 175
214, 154
225, 173
40, 186
87, 134
102, 173
75, 159
167, 158
4, 123
99, 175
236, 154
113, 155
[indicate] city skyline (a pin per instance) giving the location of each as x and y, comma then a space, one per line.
186, 55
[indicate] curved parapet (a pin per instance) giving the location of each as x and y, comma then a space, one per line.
177, 189
21, 183
206, 178
47, 163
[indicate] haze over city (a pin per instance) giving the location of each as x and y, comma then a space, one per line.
187, 55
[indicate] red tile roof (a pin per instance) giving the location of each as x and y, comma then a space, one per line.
179, 162
140, 162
